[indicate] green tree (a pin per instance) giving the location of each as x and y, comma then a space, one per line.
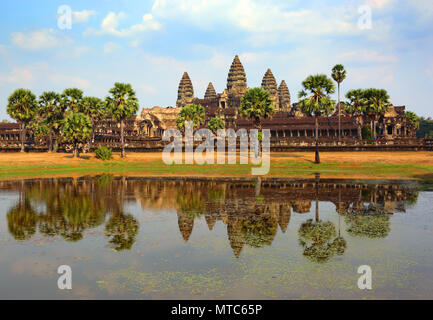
76, 129
194, 113
413, 119
215, 124
121, 105
51, 113
22, 106
72, 100
377, 102
425, 128
94, 108
256, 105
339, 75
356, 104
316, 100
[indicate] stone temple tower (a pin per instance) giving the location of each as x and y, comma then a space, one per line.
237, 79
284, 95
185, 94
269, 83
210, 92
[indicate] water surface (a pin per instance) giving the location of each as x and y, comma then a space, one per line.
131, 238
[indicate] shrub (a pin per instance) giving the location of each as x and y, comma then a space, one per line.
366, 133
103, 153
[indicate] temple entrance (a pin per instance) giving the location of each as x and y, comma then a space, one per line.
389, 130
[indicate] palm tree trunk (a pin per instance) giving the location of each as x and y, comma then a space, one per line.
50, 146
22, 136
317, 156
339, 113
122, 138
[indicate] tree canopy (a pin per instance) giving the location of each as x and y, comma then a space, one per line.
315, 97
194, 113
256, 104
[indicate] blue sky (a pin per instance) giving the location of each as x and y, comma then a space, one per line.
151, 43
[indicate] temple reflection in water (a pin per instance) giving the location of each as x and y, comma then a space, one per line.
251, 211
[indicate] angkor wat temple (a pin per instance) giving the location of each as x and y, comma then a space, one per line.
288, 122
290, 128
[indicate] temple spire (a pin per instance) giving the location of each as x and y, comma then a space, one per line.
210, 92
185, 94
284, 96
269, 83
237, 79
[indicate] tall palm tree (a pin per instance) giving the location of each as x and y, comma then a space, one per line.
22, 106
51, 110
72, 100
377, 102
94, 108
122, 104
316, 100
194, 113
339, 74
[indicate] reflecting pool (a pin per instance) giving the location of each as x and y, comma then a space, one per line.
136, 238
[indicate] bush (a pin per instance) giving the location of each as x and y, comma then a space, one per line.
366, 133
103, 153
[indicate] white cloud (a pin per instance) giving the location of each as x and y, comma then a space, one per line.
367, 56
424, 9
82, 16
379, 4
264, 20
39, 39
111, 47
110, 26
2, 49
41, 73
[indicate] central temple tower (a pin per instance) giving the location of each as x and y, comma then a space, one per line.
237, 79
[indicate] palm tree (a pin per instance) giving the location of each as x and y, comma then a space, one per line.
72, 100
356, 103
22, 106
316, 101
215, 124
122, 104
339, 74
413, 120
76, 129
194, 113
256, 104
94, 108
51, 110
376, 104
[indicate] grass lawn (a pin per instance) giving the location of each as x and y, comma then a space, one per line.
344, 165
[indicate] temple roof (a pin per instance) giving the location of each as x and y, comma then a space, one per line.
237, 79
284, 94
210, 92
